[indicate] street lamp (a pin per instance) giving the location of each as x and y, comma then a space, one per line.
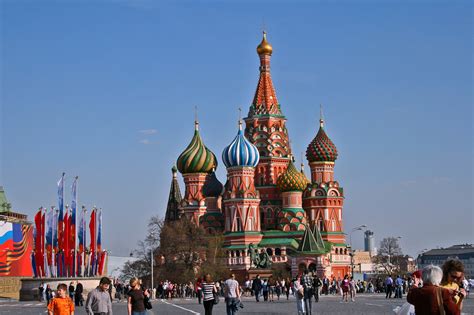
351, 250
151, 253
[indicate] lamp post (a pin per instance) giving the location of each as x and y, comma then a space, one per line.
351, 250
151, 253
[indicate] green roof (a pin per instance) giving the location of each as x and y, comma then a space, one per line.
312, 242
283, 234
288, 242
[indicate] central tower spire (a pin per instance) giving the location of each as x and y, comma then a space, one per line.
266, 129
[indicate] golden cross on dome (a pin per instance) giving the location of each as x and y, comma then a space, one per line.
321, 119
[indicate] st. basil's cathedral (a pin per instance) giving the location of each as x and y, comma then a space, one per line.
266, 201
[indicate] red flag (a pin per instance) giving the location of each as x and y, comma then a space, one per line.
67, 243
38, 243
92, 229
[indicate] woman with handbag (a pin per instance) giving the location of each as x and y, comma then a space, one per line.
299, 293
137, 300
209, 291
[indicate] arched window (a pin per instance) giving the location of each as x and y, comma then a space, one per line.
270, 251
277, 251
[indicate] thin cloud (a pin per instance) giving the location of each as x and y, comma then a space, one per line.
145, 141
148, 131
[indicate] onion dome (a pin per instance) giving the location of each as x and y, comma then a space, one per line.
264, 48
240, 152
212, 186
292, 179
197, 158
321, 149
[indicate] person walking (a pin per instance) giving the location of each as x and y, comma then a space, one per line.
388, 287
265, 289
352, 289
136, 298
317, 283
299, 293
398, 287
287, 287
49, 294
98, 300
307, 283
345, 288
198, 287
41, 291
62, 304
257, 287
71, 290
78, 299
231, 294
208, 290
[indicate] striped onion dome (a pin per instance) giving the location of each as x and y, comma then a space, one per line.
240, 152
292, 179
197, 158
321, 149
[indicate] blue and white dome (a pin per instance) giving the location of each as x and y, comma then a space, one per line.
240, 152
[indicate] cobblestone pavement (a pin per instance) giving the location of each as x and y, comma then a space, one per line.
375, 304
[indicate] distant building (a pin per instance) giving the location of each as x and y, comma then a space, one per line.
363, 262
463, 252
407, 264
369, 242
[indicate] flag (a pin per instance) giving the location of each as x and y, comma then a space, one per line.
72, 217
49, 236
33, 264
39, 241
99, 231
55, 230
93, 242
92, 229
61, 212
67, 253
81, 231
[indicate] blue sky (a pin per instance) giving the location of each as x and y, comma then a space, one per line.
106, 90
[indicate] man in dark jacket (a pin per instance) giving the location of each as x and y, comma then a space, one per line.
257, 287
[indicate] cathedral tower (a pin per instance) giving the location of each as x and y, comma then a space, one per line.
241, 199
323, 202
266, 128
174, 199
195, 164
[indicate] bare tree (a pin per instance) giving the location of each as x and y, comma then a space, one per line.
389, 255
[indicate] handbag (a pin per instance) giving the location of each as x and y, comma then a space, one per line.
216, 297
147, 303
439, 298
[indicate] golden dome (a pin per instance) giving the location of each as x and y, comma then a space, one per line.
264, 48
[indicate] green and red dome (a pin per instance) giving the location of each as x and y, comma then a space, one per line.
197, 158
321, 149
292, 180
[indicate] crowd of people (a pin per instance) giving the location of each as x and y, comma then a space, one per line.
428, 291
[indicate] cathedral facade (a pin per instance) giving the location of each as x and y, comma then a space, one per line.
266, 201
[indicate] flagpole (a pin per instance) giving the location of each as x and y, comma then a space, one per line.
75, 227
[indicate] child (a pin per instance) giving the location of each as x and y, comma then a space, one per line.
62, 304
